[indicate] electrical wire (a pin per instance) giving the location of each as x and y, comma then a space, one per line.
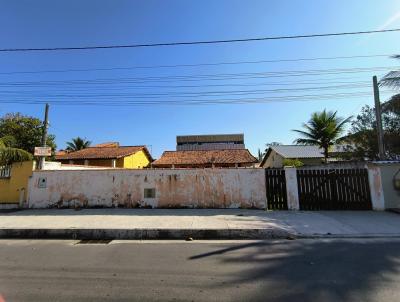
214, 77
197, 65
134, 102
200, 42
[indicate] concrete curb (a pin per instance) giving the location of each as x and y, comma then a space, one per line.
345, 236
143, 234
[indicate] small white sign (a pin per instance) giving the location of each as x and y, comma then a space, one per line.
42, 151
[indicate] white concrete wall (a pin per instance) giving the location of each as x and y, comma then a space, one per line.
292, 190
375, 186
384, 181
55, 165
214, 188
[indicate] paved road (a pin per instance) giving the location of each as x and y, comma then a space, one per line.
290, 270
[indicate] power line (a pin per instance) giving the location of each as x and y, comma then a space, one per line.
197, 65
213, 77
100, 94
199, 42
100, 86
265, 99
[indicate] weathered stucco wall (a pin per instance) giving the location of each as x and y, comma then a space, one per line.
14, 188
392, 195
211, 188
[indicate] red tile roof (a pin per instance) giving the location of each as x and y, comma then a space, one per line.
61, 152
203, 157
103, 153
107, 144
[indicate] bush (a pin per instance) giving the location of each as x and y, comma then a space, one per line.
292, 163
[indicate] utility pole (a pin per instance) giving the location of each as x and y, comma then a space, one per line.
378, 114
44, 135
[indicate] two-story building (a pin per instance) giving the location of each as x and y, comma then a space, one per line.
207, 151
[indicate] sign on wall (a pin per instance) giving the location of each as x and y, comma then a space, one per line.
42, 151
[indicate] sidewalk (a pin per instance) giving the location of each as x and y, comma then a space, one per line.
195, 223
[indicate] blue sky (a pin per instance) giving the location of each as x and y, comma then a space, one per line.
29, 24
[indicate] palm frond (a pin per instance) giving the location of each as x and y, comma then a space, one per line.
323, 129
305, 141
305, 133
12, 155
392, 79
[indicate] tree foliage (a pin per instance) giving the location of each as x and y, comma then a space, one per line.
25, 130
77, 144
392, 79
324, 129
260, 155
290, 162
363, 132
9, 155
273, 144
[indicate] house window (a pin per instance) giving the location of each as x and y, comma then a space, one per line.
149, 193
5, 171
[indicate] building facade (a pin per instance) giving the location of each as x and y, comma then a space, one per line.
106, 155
309, 155
210, 142
207, 151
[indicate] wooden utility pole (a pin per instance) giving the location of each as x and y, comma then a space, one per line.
378, 115
44, 135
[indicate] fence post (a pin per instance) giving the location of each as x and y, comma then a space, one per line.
375, 187
292, 189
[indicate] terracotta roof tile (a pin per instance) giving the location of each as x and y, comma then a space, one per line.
107, 144
61, 152
102, 153
201, 157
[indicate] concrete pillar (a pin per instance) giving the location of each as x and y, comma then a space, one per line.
375, 186
21, 197
86, 163
292, 190
113, 163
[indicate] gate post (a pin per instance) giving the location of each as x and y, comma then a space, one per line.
292, 189
375, 187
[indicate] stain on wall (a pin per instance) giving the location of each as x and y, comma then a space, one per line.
174, 188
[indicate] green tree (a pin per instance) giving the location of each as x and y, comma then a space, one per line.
324, 129
26, 131
260, 155
363, 134
271, 144
9, 154
289, 162
77, 144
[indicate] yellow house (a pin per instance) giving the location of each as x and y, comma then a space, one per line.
14, 182
109, 155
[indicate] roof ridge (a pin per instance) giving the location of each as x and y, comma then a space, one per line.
100, 147
206, 150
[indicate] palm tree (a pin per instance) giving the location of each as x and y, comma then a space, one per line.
392, 79
9, 155
77, 144
324, 129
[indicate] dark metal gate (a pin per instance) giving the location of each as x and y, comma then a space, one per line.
275, 182
334, 189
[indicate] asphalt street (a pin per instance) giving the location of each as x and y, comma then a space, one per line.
283, 270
